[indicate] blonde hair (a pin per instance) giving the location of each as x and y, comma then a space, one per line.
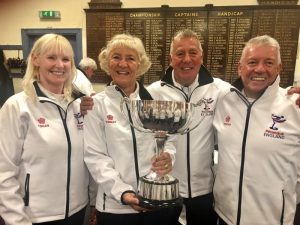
43, 45
128, 41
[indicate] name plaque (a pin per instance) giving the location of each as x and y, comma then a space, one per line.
223, 30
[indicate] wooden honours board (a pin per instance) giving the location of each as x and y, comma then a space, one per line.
222, 31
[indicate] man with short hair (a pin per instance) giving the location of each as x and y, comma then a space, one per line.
189, 81
88, 66
85, 71
258, 133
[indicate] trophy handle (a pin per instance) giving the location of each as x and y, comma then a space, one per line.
190, 129
127, 102
199, 103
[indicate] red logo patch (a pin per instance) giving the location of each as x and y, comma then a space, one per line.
110, 119
42, 122
227, 121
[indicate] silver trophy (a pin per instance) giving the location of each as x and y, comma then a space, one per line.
160, 118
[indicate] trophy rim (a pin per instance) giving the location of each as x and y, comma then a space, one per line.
154, 100
161, 116
158, 182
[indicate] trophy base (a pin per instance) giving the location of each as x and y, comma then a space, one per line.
159, 204
159, 192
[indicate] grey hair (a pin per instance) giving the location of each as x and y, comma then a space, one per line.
87, 62
187, 33
264, 40
128, 41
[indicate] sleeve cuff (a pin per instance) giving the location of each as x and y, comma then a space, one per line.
125, 192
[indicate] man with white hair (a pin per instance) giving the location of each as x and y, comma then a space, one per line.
88, 66
258, 133
85, 71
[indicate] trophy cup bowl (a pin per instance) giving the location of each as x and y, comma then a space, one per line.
160, 118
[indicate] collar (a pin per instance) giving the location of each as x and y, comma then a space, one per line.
192, 86
186, 89
135, 94
140, 91
270, 91
41, 94
81, 70
204, 76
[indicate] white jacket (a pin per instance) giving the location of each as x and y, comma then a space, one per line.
259, 157
42, 173
82, 83
194, 154
115, 153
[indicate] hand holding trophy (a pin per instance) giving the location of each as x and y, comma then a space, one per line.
160, 118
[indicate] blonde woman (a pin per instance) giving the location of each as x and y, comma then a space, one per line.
43, 178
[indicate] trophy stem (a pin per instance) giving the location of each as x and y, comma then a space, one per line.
159, 192
160, 138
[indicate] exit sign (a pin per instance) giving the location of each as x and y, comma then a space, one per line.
49, 14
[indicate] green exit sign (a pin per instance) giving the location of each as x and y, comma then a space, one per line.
49, 14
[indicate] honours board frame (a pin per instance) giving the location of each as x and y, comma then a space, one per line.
222, 30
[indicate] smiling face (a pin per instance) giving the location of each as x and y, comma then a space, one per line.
186, 59
54, 68
258, 69
123, 67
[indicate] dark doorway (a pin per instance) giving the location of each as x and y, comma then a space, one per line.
73, 35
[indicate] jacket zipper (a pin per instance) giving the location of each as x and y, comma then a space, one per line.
188, 163
283, 206
188, 155
188, 152
136, 163
240, 193
104, 200
64, 119
26, 197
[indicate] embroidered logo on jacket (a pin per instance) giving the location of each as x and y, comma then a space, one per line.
79, 119
273, 132
207, 111
110, 119
42, 122
227, 121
